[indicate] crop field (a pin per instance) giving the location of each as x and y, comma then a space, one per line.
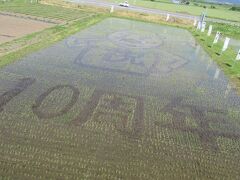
8, 31
119, 100
42, 10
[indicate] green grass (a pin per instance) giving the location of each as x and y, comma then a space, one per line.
221, 12
227, 30
42, 10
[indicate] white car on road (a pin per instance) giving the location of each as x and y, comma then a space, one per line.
125, 4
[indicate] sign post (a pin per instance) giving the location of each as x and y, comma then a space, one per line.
199, 25
216, 38
168, 16
226, 43
112, 9
203, 26
195, 22
209, 30
202, 19
238, 56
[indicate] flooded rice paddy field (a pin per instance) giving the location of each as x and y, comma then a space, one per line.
119, 100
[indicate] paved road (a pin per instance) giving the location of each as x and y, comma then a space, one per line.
105, 4
132, 8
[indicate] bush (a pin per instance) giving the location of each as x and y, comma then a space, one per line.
186, 2
212, 7
235, 8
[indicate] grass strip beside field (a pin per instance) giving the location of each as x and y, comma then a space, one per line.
227, 29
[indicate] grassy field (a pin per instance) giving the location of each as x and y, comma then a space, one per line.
41, 10
221, 12
227, 30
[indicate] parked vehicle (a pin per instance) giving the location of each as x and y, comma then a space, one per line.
124, 4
